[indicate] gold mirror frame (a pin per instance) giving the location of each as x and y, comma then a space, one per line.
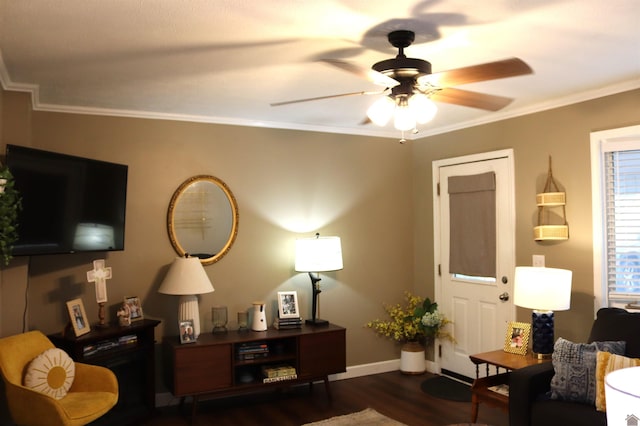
188, 188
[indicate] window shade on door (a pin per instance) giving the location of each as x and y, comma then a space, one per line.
472, 221
622, 220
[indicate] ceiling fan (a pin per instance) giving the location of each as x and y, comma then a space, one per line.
411, 87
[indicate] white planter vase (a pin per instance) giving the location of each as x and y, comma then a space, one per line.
412, 358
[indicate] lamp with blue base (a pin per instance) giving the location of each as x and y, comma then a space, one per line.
544, 290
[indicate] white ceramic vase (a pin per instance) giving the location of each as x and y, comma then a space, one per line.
412, 359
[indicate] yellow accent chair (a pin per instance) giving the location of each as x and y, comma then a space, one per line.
92, 394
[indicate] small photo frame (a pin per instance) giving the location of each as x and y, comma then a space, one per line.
78, 317
187, 334
288, 304
516, 340
135, 307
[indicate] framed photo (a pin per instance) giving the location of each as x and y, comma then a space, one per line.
135, 307
288, 304
78, 317
516, 340
187, 334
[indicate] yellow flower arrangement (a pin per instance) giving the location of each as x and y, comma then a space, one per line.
419, 318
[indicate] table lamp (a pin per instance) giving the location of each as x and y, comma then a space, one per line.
544, 290
317, 254
187, 278
622, 396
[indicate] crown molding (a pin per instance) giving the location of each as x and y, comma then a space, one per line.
37, 105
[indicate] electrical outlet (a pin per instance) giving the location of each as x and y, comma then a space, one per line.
538, 260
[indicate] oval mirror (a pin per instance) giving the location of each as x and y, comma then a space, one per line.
203, 218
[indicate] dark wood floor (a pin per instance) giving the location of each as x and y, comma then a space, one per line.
393, 394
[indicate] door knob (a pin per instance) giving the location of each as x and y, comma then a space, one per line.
504, 296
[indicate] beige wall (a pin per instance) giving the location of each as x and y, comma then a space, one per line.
562, 133
374, 193
287, 184
15, 116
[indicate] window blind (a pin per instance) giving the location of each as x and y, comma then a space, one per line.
622, 222
472, 225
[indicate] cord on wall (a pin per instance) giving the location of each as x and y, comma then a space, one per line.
26, 307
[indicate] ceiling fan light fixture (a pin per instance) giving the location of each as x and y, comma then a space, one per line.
410, 85
424, 109
381, 111
404, 117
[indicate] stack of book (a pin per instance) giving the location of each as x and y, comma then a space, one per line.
104, 345
501, 389
252, 350
287, 323
128, 339
278, 373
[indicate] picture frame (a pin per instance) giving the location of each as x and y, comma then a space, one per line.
288, 304
187, 334
516, 340
78, 317
135, 307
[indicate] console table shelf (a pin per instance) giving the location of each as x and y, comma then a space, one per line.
214, 364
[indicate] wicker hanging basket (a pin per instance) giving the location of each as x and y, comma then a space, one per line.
550, 197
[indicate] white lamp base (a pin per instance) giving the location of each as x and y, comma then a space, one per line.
188, 310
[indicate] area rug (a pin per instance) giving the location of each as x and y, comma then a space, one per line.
446, 388
368, 417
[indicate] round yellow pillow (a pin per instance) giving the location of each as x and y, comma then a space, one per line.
51, 373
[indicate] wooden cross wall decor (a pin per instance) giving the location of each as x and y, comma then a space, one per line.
99, 275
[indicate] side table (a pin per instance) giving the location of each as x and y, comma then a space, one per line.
480, 390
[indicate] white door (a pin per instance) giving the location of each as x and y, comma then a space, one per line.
480, 308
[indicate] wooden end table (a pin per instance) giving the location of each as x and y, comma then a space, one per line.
480, 390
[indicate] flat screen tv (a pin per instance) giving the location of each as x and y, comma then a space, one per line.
69, 204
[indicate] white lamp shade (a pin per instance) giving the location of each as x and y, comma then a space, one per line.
543, 289
381, 111
423, 108
186, 276
622, 395
318, 254
404, 118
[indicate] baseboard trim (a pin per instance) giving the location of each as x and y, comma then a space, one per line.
164, 399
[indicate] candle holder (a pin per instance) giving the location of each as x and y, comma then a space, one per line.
243, 321
219, 315
101, 316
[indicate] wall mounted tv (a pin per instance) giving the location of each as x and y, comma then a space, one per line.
69, 204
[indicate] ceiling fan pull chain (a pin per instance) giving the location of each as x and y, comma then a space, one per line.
402, 139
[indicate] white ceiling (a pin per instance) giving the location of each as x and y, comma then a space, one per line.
225, 61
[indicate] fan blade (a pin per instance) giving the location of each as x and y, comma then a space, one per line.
470, 99
317, 98
367, 73
490, 71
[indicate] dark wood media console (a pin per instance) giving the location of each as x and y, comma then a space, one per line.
235, 362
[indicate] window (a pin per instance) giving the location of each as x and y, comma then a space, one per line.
615, 166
